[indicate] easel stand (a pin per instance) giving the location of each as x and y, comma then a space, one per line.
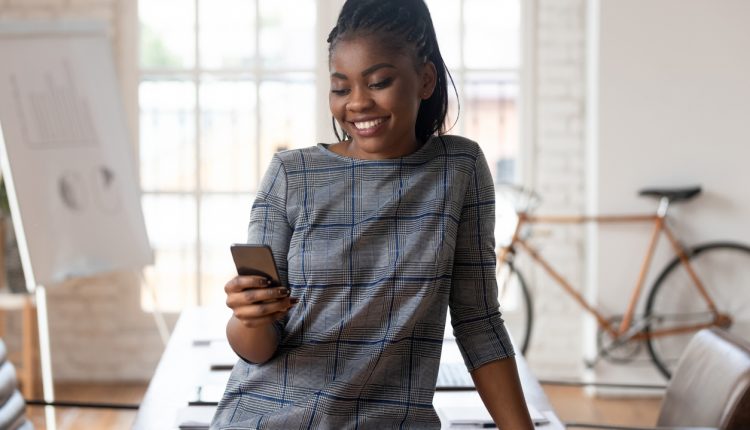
48, 388
28, 373
42, 322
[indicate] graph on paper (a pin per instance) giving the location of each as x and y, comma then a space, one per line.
52, 114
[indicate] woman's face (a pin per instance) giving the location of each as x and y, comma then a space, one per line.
375, 97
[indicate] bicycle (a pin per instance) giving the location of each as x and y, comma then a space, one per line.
701, 286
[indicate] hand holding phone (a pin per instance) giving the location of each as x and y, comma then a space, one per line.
256, 296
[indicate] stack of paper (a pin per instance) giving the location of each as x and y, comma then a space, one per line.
477, 416
195, 417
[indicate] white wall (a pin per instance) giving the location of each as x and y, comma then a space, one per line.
671, 107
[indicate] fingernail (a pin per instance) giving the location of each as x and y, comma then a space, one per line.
294, 300
284, 291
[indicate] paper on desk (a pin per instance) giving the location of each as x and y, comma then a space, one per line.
221, 356
195, 417
478, 415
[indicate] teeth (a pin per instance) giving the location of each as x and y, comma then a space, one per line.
368, 124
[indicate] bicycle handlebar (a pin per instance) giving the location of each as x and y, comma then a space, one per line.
524, 199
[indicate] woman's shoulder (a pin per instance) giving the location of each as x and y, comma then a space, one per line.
296, 157
459, 145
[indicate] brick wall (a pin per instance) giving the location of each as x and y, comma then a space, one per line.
558, 175
99, 331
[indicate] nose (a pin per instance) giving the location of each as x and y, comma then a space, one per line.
359, 101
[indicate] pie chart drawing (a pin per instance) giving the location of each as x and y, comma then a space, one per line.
106, 189
71, 189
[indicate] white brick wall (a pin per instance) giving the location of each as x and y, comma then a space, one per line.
99, 331
559, 177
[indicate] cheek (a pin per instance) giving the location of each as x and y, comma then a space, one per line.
335, 106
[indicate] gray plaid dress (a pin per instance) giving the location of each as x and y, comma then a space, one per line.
376, 251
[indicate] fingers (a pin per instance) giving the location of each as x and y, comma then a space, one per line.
261, 310
256, 296
259, 314
255, 303
266, 294
240, 283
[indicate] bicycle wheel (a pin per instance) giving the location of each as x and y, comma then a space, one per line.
515, 305
724, 270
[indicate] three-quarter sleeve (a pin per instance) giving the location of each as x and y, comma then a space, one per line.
475, 314
269, 224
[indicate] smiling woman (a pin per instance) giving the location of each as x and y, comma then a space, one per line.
353, 338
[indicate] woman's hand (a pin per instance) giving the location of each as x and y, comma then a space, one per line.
254, 302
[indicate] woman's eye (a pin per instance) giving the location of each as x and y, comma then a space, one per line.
381, 84
340, 92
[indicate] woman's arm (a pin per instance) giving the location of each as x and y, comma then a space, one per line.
477, 323
257, 322
500, 389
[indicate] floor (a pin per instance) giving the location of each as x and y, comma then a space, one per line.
571, 404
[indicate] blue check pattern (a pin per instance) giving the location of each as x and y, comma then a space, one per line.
377, 252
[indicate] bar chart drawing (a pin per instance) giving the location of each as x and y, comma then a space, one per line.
52, 114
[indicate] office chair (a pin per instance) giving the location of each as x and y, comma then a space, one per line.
710, 387
12, 405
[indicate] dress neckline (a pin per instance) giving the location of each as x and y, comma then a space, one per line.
325, 148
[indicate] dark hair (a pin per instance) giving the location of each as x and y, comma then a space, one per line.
400, 22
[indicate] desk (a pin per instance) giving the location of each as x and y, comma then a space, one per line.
183, 367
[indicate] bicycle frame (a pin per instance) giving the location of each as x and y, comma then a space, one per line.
626, 325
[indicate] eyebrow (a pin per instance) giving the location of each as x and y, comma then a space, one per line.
368, 71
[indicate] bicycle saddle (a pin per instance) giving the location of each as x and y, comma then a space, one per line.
673, 194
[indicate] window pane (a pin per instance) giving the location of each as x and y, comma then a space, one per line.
223, 222
492, 24
228, 135
167, 143
167, 33
288, 115
492, 120
287, 34
454, 117
170, 222
227, 33
445, 18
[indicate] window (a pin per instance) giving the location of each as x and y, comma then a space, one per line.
226, 83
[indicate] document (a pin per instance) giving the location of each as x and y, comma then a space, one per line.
195, 417
478, 417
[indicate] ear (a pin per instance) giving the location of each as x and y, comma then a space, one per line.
429, 80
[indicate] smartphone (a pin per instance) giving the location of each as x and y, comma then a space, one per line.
255, 260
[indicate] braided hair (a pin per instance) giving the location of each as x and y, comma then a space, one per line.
400, 25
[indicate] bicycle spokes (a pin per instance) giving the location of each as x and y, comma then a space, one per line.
677, 309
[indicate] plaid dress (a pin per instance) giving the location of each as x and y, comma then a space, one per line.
376, 251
